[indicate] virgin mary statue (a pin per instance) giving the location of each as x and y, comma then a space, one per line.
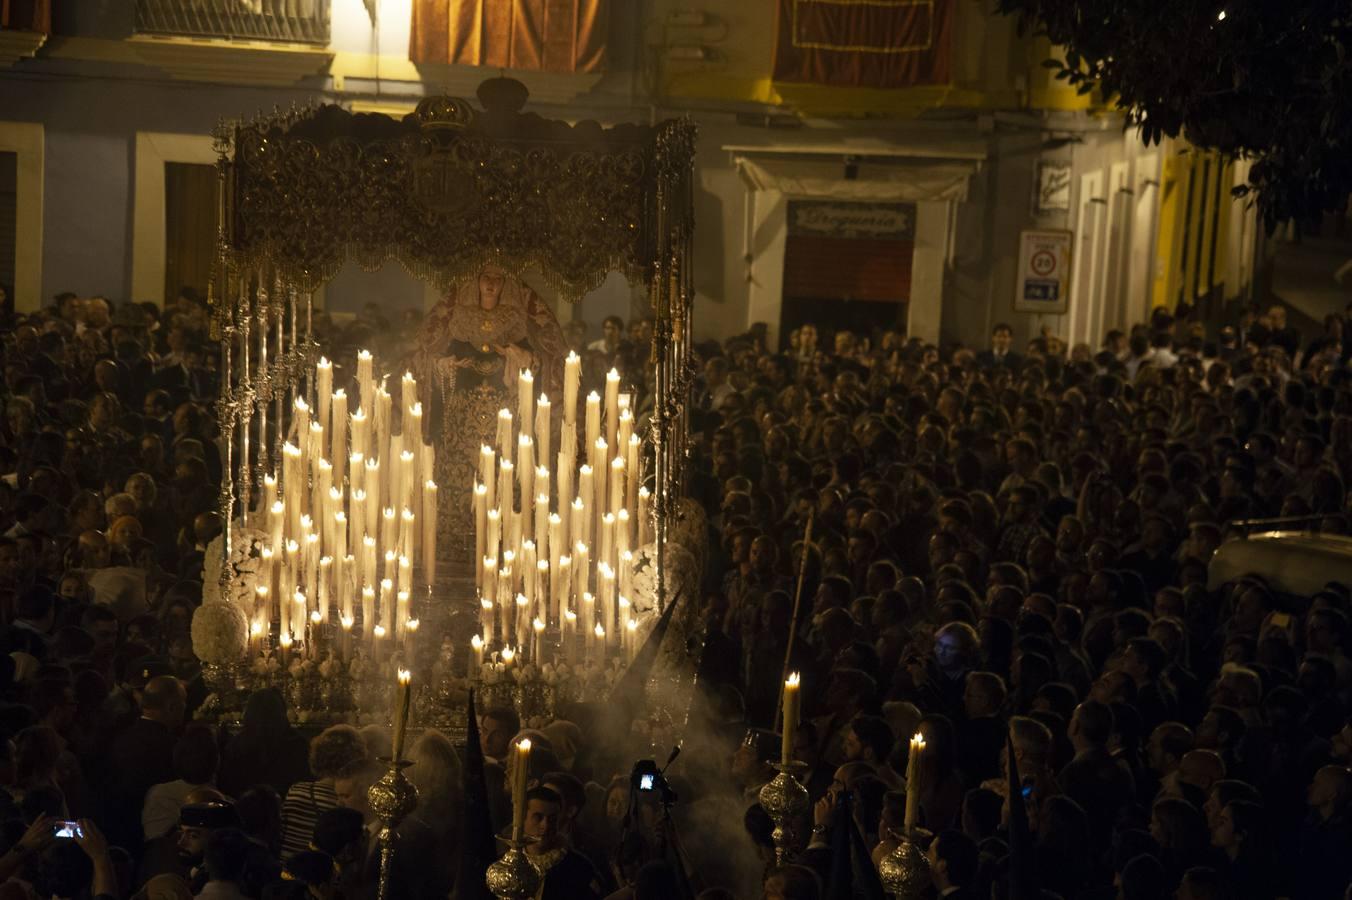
472, 347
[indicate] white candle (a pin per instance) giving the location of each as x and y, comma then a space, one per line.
791, 698
913, 780
492, 544
541, 530
408, 485
504, 437
408, 534
361, 434
626, 572
487, 470
528, 570
476, 644
542, 428
589, 616
568, 633
522, 619
600, 460
582, 531
581, 569
525, 472
572, 378
542, 600
337, 426
347, 621
616, 484
631, 478
392, 470
525, 393
325, 576
626, 429
389, 529
300, 418
429, 524
555, 554
612, 405
607, 549
373, 498
644, 530
366, 385
368, 560
323, 389
490, 589
401, 614
632, 628
480, 532
593, 418
368, 611
565, 578
387, 605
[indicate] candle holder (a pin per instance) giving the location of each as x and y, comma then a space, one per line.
905, 872
392, 798
786, 801
514, 876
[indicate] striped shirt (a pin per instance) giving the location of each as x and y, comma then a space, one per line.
301, 809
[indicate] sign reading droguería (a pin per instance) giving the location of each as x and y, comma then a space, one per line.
825, 218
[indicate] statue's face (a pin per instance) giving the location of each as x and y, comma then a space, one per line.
490, 287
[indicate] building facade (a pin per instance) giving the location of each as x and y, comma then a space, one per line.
935, 208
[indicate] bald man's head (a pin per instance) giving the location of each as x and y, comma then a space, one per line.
94, 550
164, 700
1201, 768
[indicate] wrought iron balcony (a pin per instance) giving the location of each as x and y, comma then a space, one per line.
291, 21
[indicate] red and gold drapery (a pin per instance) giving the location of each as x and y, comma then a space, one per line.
864, 43
540, 35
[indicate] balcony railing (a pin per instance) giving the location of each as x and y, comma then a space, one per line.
294, 21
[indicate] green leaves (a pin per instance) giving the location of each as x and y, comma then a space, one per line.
1268, 80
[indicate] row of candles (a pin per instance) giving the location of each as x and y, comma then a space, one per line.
554, 548
352, 516
791, 708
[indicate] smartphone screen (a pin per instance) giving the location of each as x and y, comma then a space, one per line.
67, 830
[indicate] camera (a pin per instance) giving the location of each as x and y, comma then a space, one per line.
647, 779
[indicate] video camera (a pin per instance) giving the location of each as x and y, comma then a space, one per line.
647, 779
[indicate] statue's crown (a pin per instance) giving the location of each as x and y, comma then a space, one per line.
443, 112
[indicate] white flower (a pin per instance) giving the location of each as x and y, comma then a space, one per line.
220, 633
244, 565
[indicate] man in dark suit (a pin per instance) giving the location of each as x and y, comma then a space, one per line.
34, 614
1094, 778
953, 860
1000, 352
568, 875
142, 756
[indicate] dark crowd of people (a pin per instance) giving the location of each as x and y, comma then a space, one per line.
1009, 548
1014, 542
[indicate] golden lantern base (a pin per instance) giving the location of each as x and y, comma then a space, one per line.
905, 872
392, 798
787, 802
514, 876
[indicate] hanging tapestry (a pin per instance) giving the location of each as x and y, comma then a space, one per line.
864, 43
539, 35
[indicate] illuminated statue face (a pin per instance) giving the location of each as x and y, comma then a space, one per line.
491, 281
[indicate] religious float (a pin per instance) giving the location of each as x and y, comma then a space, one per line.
455, 507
